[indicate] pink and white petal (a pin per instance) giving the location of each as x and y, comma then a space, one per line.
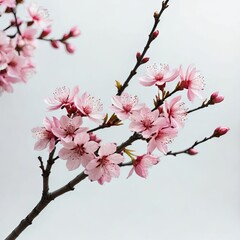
58, 132
91, 146
141, 171
95, 173
116, 102
72, 164
92, 164
131, 172
68, 145
151, 145
51, 145
86, 158
81, 138
107, 149
73, 93
116, 158
77, 121
41, 144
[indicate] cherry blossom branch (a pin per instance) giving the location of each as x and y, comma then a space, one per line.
159, 101
190, 150
46, 196
136, 136
140, 57
218, 132
214, 99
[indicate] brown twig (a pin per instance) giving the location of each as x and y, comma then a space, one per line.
186, 151
142, 55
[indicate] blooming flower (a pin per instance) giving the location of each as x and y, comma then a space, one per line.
125, 105
105, 166
39, 15
89, 106
175, 112
144, 121
68, 128
45, 135
62, 97
162, 137
192, 81
80, 151
142, 163
158, 76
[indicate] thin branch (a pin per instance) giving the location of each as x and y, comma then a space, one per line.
150, 39
187, 151
16, 21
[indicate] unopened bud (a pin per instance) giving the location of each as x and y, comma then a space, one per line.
138, 55
55, 44
219, 131
156, 14
144, 60
74, 32
45, 32
69, 48
192, 151
155, 34
215, 98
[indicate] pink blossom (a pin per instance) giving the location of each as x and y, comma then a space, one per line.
62, 97
162, 137
158, 75
125, 105
26, 42
144, 121
45, 135
192, 81
68, 128
105, 166
142, 163
8, 3
175, 112
39, 15
80, 151
89, 106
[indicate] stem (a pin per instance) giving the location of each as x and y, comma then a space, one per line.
45, 200
186, 151
150, 39
16, 22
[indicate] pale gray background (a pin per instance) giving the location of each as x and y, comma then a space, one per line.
184, 198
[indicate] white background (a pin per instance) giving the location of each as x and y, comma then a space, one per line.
184, 198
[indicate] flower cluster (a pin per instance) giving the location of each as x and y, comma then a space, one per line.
157, 126
18, 42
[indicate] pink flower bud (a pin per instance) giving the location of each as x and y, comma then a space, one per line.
215, 98
138, 55
144, 60
74, 32
45, 32
55, 44
155, 34
219, 131
69, 48
192, 151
